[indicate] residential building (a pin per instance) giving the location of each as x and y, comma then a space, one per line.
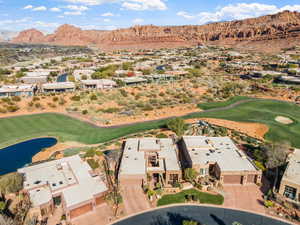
150, 157
79, 73
58, 87
98, 84
37, 77
218, 157
17, 90
290, 182
68, 183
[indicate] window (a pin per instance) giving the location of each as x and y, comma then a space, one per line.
202, 171
290, 192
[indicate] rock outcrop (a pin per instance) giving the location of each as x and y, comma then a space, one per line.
284, 25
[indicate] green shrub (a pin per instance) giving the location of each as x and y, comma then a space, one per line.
75, 98
84, 112
11, 183
12, 108
93, 164
16, 98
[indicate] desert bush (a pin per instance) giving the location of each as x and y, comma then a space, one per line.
75, 98
16, 98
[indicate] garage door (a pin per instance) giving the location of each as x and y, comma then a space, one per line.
100, 200
251, 179
232, 179
81, 210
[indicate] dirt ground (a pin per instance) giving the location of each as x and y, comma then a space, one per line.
59, 147
255, 130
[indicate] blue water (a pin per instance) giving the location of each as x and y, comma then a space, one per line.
202, 214
62, 78
18, 155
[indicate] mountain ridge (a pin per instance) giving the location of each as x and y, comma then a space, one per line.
270, 28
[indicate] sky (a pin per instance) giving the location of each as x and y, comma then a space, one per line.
47, 15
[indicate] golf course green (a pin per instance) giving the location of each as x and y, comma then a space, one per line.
16, 129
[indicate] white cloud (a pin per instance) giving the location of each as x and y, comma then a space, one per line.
28, 7
106, 20
39, 8
237, 12
46, 24
55, 9
80, 8
90, 2
107, 14
73, 13
185, 15
141, 5
138, 21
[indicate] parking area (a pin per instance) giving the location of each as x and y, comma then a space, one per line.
133, 196
247, 197
102, 215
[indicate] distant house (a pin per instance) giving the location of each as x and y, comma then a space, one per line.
177, 73
68, 182
290, 182
220, 158
17, 90
154, 157
98, 84
132, 80
58, 87
79, 73
38, 77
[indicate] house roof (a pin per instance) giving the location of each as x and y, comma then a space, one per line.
220, 150
70, 176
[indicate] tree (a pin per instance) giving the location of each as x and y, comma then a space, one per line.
11, 183
276, 157
2, 206
177, 125
190, 174
189, 222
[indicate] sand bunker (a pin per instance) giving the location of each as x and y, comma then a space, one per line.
284, 120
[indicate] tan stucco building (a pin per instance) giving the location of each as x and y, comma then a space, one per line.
218, 157
68, 183
290, 182
154, 157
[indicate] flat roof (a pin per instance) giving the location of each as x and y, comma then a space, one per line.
292, 172
134, 155
17, 88
220, 150
58, 85
69, 176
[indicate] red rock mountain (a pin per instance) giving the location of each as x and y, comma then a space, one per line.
266, 32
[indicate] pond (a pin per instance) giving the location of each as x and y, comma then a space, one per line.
62, 78
202, 214
18, 155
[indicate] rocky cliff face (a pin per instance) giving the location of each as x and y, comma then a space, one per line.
284, 25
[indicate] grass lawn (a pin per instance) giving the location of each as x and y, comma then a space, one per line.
180, 197
213, 105
17, 129
265, 112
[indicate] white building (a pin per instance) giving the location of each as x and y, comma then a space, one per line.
68, 182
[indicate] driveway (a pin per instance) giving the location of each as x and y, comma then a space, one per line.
100, 216
248, 197
133, 196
